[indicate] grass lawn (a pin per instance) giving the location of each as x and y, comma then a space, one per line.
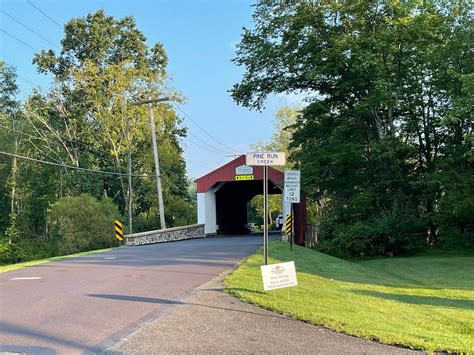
11, 267
424, 302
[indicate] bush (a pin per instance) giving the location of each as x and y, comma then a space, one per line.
391, 231
11, 253
83, 223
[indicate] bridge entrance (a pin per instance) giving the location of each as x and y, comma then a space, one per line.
223, 195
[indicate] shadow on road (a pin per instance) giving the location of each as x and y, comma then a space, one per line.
175, 302
35, 334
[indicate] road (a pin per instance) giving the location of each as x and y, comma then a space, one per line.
89, 303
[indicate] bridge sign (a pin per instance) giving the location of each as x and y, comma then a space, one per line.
244, 177
266, 159
292, 176
291, 191
244, 170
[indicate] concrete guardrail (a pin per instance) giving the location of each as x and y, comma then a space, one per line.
165, 235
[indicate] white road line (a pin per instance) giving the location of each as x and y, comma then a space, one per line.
110, 258
27, 278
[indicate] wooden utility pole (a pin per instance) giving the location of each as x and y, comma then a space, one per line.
161, 206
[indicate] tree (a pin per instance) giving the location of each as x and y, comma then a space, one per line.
382, 79
104, 66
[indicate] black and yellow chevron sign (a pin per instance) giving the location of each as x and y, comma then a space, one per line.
118, 230
288, 224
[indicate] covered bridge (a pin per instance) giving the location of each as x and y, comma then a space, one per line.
223, 195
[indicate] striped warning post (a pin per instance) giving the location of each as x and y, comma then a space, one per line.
288, 224
118, 230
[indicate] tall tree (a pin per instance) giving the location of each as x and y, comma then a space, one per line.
382, 78
104, 66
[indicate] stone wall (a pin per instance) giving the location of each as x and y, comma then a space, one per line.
165, 235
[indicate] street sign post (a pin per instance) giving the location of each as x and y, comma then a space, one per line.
265, 159
291, 193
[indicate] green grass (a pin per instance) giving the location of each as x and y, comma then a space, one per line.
11, 267
424, 302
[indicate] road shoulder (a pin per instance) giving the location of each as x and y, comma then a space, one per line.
210, 320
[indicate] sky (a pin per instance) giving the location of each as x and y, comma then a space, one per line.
199, 37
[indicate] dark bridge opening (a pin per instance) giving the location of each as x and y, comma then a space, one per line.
231, 204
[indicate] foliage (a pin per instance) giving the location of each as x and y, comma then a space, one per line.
87, 120
83, 223
385, 142
390, 300
11, 253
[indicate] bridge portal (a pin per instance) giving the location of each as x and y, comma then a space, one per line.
223, 195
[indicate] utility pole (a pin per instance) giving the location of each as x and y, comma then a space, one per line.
161, 206
130, 223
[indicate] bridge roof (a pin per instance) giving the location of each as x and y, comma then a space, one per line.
226, 173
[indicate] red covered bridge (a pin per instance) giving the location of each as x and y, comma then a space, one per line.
223, 195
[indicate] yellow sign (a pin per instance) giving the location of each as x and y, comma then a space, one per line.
244, 177
118, 230
288, 224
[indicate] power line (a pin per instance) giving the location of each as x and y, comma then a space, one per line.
45, 14
202, 147
73, 167
19, 40
55, 143
213, 148
59, 135
28, 81
202, 129
29, 28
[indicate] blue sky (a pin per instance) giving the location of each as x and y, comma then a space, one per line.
199, 37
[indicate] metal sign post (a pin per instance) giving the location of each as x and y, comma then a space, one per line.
265, 160
292, 224
265, 218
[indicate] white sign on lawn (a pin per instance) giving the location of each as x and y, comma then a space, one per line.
270, 159
279, 275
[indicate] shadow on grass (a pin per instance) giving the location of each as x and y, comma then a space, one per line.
426, 272
419, 299
234, 290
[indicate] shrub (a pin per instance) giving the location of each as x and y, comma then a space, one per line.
83, 223
11, 253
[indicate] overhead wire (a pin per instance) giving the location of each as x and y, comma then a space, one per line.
55, 143
29, 28
73, 167
45, 14
216, 149
212, 148
229, 150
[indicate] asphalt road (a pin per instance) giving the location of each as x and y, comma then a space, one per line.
88, 304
